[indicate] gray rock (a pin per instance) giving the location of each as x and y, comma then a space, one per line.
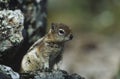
35, 18
59, 74
7, 72
11, 26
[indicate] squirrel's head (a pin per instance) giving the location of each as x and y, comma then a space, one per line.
60, 32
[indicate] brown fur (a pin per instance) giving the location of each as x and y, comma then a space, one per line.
47, 51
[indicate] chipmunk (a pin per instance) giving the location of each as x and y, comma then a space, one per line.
47, 51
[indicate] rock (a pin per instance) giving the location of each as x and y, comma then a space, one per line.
59, 74
35, 18
11, 26
4, 76
8, 73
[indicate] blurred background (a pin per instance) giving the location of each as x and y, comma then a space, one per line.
94, 53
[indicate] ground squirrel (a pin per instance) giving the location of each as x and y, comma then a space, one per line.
47, 51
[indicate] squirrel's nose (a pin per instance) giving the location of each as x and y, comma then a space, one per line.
71, 36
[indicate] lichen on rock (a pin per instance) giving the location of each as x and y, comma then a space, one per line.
57, 74
9, 72
11, 26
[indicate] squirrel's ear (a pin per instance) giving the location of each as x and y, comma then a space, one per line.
53, 26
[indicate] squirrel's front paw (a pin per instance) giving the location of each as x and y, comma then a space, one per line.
46, 67
56, 67
47, 70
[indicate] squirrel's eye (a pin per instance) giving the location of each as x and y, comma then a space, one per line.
61, 31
